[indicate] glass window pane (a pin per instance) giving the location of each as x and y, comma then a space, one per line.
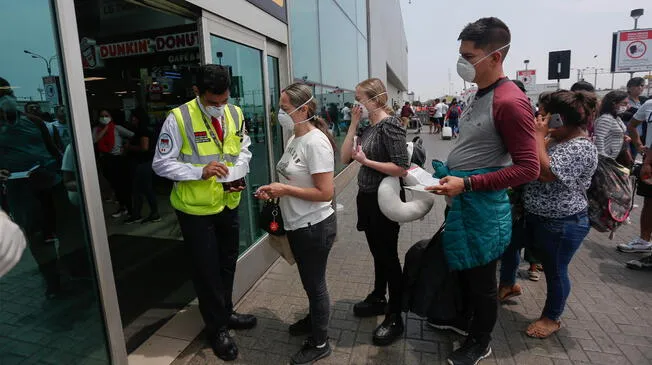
338, 42
361, 13
49, 304
247, 92
275, 95
305, 39
349, 7
363, 60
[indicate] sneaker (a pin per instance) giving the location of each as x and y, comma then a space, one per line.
310, 353
641, 264
371, 306
389, 331
152, 219
119, 213
460, 326
636, 245
301, 327
534, 275
470, 353
131, 220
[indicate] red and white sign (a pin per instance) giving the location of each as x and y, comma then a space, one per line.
164, 43
528, 78
633, 51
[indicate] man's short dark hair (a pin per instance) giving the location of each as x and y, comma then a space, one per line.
635, 81
213, 78
520, 85
407, 103
583, 86
488, 34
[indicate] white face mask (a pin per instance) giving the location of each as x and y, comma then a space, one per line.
286, 120
105, 120
215, 112
621, 110
466, 69
365, 111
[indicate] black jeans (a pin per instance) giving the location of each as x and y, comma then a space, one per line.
143, 175
310, 247
113, 168
479, 288
382, 238
212, 242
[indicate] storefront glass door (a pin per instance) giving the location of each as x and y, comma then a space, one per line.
247, 92
50, 310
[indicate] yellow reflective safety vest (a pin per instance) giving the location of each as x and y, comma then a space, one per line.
201, 146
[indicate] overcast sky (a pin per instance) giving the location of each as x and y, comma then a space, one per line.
583, 26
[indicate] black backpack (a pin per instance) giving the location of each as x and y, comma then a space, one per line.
454, 113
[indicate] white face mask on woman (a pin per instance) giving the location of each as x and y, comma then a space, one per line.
365, 111
105, 120
466, 69
286, 120
621, 110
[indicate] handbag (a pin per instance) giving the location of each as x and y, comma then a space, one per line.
281, 245
271, 220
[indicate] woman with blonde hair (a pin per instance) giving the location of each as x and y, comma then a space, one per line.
381, 149
306, 189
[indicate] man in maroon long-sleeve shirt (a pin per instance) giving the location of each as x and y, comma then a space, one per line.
496, 134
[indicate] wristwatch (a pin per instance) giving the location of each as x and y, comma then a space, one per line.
468, 186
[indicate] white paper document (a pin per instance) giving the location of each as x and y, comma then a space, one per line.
420, 177
23, 174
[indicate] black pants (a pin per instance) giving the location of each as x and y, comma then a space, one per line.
310, 247
382, 238
114, 168
479, 287
143, 175
212, 242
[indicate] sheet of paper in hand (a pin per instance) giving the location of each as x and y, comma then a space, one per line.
417, 179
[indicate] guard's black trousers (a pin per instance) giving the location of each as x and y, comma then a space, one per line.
212, 242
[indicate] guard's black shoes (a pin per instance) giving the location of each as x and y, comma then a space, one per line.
239, 321
371, 306
223, 345
310, 353
301, 327
470, 353
389, 331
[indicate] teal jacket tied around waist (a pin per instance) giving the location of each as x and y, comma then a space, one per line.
478, 224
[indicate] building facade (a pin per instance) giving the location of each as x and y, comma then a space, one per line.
92, 289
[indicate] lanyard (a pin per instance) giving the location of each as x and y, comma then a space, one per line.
212, 133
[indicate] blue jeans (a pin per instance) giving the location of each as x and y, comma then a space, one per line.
555, 241
512, 256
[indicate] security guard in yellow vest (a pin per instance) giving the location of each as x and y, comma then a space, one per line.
204, 149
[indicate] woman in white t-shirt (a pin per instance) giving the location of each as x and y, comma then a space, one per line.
306, 189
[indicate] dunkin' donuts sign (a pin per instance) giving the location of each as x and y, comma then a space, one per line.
164, 43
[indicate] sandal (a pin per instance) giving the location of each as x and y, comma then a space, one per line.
509, 291
535, 330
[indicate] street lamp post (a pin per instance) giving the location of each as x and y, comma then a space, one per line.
526, 62
48, 62
635, 14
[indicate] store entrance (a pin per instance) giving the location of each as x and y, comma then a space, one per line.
139, 63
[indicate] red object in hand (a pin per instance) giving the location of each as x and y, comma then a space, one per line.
273, 226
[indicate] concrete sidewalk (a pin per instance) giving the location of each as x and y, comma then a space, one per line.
608, 319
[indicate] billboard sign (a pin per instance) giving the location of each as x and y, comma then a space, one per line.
559, 65
632, 51
528, 78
